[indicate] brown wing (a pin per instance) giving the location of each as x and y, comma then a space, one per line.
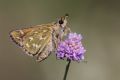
17, 35
34, 40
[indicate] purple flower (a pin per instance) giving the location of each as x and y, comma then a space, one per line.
71, 48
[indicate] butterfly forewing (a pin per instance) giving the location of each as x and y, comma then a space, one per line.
17, 35
34, 40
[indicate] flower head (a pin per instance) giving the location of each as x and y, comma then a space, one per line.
71, 48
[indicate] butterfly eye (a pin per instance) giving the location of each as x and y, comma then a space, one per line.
61, 22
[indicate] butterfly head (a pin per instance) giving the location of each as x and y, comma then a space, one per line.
63, 21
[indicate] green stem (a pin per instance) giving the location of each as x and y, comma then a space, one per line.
66, 70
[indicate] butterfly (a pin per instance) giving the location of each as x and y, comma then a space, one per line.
41, 40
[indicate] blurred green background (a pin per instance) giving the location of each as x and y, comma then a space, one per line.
97, 20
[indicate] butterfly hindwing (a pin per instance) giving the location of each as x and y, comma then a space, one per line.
35, 41
45, 51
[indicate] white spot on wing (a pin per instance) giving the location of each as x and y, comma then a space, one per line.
18, 37
31, 38
35, 45
36, 32
44, 31
40, 38
21, 32
27, 45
